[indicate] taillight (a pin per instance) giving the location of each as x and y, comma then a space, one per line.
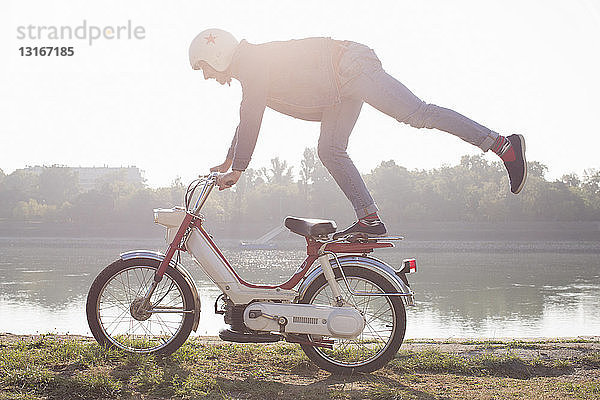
409, 266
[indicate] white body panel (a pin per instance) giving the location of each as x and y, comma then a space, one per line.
340, 322
171, 218
221, 274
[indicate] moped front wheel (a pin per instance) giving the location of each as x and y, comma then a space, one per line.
117, 318
385, 323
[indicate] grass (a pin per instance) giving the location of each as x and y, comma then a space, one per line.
586, 390
53, 367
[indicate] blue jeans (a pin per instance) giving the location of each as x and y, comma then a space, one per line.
363, 80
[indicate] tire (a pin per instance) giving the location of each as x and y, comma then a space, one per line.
385, 323
109, 308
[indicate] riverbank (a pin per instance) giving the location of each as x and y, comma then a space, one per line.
413, 231
75, 367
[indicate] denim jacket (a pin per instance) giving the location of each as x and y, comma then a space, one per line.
295, 77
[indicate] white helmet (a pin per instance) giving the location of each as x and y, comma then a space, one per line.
215, 47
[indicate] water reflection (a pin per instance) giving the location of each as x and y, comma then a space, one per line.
464, 289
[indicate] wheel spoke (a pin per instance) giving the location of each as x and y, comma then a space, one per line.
381, 319
377, 315
123, 305
374, 332
118, 319
143, 333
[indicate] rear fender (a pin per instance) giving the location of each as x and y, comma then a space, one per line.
374, 264
154, 255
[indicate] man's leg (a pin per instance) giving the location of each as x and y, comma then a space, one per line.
336, 125
364, 78
388, 95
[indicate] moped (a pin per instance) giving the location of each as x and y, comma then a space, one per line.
343, 307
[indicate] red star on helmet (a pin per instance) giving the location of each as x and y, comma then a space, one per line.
210, 39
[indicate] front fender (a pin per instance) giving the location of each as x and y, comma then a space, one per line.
154, 255
379, 266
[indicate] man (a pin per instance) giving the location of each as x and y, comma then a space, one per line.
326, 80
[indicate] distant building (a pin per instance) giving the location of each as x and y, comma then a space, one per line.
89, 177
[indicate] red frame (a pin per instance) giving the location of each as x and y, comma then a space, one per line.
312, 251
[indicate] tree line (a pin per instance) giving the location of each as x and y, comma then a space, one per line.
473, 190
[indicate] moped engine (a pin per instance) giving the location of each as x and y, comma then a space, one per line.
338, 322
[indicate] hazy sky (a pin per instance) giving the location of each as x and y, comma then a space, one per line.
522, 66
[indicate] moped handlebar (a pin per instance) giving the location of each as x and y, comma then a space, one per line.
216, 176
209, 181
212, 175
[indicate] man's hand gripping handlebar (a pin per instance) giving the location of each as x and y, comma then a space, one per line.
224, 181
228, 179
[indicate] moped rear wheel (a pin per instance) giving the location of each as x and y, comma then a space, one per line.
114, 315
385, 323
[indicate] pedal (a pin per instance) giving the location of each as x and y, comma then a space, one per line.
239, 337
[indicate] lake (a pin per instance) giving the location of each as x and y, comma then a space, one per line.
475, 289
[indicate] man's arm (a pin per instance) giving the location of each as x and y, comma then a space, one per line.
254, 80
231, 150
251, 113
254, 86
229, 158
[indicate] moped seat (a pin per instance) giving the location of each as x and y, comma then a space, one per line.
310, 226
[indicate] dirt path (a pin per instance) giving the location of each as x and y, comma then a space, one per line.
528, 349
